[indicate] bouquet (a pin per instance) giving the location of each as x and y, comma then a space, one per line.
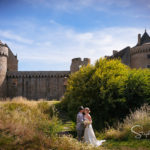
87, 123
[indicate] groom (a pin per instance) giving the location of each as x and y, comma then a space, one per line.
80, 123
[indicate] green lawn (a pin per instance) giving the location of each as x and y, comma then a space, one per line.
134, 144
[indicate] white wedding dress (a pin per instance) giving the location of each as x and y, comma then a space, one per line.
89, 136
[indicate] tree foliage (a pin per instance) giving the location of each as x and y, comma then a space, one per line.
109, 88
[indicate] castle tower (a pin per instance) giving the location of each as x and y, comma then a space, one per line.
140, 54
3, 68
86, 61
77, 63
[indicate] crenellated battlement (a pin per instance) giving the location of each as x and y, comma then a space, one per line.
3, 53
76, 59
3, 49
140, 49
86, 61
38, 74
77, 63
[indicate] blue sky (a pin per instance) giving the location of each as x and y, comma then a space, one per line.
47, 34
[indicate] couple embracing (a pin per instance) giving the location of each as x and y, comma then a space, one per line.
84, 127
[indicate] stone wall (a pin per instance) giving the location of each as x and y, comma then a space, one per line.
12, 62
123, 54
139, 56
125, 58
36, 85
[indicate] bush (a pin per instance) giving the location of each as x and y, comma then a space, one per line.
109, 88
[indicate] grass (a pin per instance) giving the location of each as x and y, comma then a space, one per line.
27, 124
33, 125
128, 145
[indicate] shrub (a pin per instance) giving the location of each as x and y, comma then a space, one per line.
109, 88
137, 90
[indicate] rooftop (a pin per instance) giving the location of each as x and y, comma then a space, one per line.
145, 38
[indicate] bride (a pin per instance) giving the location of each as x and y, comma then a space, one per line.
89, 135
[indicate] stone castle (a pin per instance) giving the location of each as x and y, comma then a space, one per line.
52, 84
32, 84
137, 56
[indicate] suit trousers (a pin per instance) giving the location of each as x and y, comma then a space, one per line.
80, 133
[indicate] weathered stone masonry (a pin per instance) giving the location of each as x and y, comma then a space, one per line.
32, 84
36, 84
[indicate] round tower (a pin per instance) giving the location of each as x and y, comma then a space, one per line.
3, 68
140, 54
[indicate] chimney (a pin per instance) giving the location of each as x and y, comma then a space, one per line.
139, 39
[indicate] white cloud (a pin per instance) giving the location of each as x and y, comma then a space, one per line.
12, 36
